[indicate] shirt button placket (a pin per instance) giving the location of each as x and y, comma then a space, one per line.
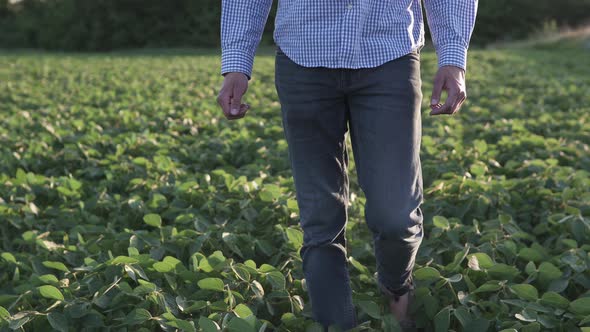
346, 35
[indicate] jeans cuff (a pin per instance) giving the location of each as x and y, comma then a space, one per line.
396, 292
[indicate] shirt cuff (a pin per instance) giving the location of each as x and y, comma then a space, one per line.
453, 54
237, 61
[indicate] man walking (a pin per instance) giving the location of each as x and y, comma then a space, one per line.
352, 65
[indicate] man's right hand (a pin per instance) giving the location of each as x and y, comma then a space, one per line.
230, 97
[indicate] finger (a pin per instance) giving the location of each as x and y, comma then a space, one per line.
436, 90
243, 109
446, 107
224, 101
236, 103
435, 107
457, 104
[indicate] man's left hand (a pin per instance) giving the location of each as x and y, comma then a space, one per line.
452, 80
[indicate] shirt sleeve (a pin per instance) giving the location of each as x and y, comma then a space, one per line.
451, 24
242, 24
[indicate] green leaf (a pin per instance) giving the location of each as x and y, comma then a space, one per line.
371, 308
185, 326
558, 285
442, 320
455, 278
530, 268
440, 222
251, 264
426, 273
215, 284
49, 279
458, 258
502, 271
314, 327
265, 246
358, 266
532, 327
526, 315
478, 169
173, 261
168, 315
153, 220
205, 266
479, 324
548, 272
8, 257
483, 260
241, 272
295, 237
257, 289
123, 260
50, 292
480, 145
29, 236
288, 317
21, 318
58, 321
231, 240
276, 279
431, 306
217, 260
584, 321
238, 324
137, 316
389, 324
56, 265
4, 315
157, 201
78, 309
195, 307
6, 299
163, 267
270, 192
182, 325
555, 300
242, 310
292, 204
208, 325
489, 286
462, 315
140, 161
529, 254
525, 291
581, 306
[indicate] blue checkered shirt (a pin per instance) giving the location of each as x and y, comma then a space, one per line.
345, 33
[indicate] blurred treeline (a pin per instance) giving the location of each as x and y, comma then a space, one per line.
87, 25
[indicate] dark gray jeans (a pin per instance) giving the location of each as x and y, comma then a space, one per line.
381, 105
